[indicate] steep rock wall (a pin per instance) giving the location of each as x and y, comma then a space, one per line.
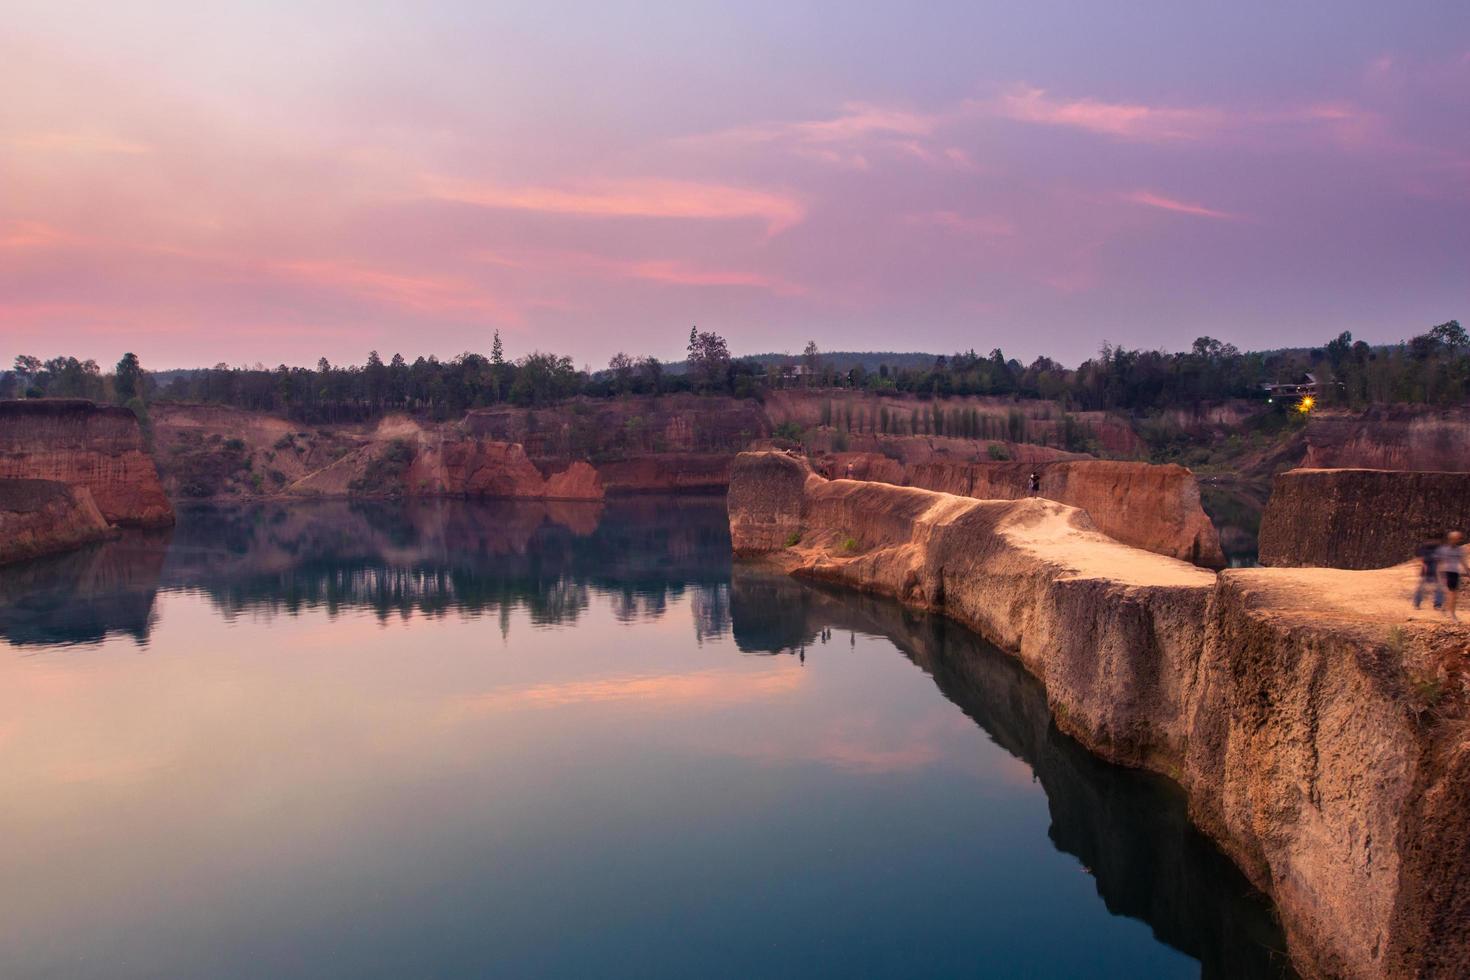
1280, 700
39, 517
82, 444
1390, 438
1156, 508
1359, 518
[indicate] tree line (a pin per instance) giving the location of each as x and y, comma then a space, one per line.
1432, 368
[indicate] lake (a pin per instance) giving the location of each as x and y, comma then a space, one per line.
441, 738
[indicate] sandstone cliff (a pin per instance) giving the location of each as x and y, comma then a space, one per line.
82, 444
1301, 711
1359, 518
38, 517
1153, 507
1390, 438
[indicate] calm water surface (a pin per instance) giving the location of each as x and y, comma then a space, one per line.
447, 739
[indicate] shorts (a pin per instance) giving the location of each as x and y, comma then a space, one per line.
1452, 581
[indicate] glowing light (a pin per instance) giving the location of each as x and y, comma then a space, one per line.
1305, 405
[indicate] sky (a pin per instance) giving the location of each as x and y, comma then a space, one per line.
276, 182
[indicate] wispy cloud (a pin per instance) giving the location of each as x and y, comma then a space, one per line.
78, 142
32, 234
679, 272
986, 226
636, 198
1128, 120
1150, 199
422, 294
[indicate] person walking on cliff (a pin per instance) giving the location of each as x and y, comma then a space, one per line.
1428, 555
1033, 485
1450, 562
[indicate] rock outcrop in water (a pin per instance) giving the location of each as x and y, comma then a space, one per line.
1320, 737
1359, 518
39, 517
82, 444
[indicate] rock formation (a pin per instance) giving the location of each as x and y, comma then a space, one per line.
1359, 518
1389, 438
38, 517
82, 444
1314, 729
1156, 508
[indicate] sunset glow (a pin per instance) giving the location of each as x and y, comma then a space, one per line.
277, 182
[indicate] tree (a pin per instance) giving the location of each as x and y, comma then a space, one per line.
498, 369
811, 357
621, 366
709, 357
127, 379
1451, 334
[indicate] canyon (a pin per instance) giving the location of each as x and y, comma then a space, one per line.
1319, 733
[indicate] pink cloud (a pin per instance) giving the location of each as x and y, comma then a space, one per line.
32, 234
78, 142
1128, 120
638, 198
1152, 200
674, 271
979, 225
856, 121
422, 294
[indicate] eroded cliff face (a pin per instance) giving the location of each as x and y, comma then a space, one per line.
1153, 507
39, 517
1359, 518
82, 444
1390, 438
1317, 731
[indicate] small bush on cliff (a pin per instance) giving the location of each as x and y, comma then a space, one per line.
793, 539
205, 470
790, 431
996, 451
385, 474
849, 543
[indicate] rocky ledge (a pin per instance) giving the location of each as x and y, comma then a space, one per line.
96, 447
39, 517
1319, 732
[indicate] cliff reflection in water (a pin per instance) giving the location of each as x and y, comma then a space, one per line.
1129, 828
395, 558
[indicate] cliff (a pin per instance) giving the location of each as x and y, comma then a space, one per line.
1359, 518
1389, 438
1153, 507
1319, 734
82, 444
38, 517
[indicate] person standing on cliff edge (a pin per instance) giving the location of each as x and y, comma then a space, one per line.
1428, 555
1450, 562
1033, 485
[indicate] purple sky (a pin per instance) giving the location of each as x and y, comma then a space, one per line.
260, 182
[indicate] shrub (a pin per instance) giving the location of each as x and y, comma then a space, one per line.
793, 539
790, 431
997, 451
849, 543
384, 474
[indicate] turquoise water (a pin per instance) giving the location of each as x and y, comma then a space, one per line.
448, 739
